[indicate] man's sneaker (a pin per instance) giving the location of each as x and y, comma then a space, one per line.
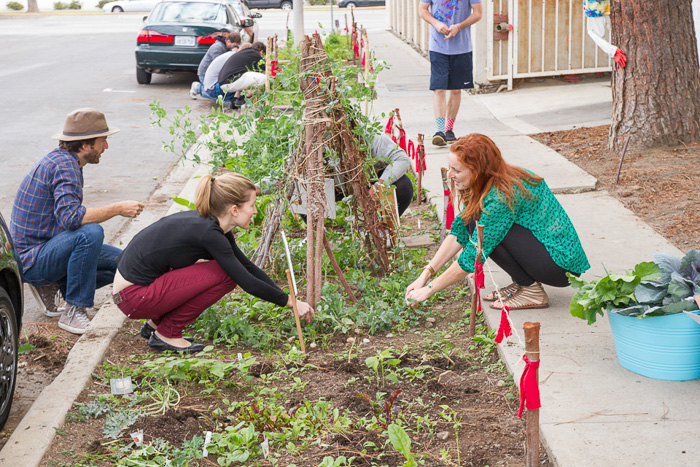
49, 299
450, 136
74, 320
194, 90
239, 102
439, 139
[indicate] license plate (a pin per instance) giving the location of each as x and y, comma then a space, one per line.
184, 40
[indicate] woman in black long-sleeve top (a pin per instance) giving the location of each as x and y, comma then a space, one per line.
182, 264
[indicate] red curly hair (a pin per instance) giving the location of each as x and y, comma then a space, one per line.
488, 169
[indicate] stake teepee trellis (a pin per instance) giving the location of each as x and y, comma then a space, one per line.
326, 127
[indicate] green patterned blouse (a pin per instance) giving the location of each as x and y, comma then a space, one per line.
541, 213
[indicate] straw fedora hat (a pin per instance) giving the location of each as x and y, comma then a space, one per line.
84, 124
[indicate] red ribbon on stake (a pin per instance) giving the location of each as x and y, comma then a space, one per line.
504, 329
529, 388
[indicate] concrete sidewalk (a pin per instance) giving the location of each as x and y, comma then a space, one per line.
594, 412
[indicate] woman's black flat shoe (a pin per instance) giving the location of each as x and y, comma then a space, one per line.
147, 330
155, 343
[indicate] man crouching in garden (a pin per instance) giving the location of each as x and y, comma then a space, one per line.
59, 240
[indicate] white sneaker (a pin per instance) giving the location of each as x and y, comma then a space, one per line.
74, 320
194, 90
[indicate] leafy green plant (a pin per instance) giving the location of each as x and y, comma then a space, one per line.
402, 443
118, 421
25, 348
94, 408
236, 444
379, 364
341, 461
385, 411
205, 367
15, 6
666, 286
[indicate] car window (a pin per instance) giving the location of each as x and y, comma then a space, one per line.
189, 11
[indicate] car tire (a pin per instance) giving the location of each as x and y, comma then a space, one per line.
117, 9
142, 76
8, 354
350, 5
286, 5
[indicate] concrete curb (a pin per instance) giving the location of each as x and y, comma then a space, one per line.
35, 433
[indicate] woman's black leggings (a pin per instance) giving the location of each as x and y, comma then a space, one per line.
525, 259
404, 193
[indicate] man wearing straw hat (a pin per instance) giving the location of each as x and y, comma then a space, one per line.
59, 240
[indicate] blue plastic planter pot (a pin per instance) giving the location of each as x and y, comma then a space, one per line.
659, 347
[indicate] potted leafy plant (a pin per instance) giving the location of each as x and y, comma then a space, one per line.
652, 336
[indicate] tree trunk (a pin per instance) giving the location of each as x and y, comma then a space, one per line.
656, 98
32, 6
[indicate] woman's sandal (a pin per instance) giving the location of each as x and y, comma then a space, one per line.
505, 292
531, 296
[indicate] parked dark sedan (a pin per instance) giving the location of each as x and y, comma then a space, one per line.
11, 309
282, 4
359, 3
178, 33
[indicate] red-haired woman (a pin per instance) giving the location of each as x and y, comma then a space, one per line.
526, 231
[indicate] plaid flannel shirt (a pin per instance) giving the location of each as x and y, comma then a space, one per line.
49, 201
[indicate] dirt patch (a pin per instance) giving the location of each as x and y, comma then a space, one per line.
658, 185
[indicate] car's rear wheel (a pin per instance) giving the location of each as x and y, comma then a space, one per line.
350, 5
142, 76
286, 5
8, 354
117, 9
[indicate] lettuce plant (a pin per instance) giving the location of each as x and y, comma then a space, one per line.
666, 286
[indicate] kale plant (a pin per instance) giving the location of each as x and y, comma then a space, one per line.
666, 286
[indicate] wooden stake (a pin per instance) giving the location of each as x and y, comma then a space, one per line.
472, 284
268, 60
296, 311
622, 157
338, 271
419, 157
532, 350
446, 201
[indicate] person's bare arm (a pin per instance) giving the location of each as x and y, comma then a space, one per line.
424, 11
471, 19
447, 250
123, 208
449, 277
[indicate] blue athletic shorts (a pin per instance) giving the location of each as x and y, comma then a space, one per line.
451, 71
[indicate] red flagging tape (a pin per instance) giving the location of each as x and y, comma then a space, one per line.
450, 216
504, 329
529, 388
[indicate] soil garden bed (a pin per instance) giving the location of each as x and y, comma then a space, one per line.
658, 185
456, 401
452, 396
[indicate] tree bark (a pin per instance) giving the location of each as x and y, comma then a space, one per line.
32, 6
656, 98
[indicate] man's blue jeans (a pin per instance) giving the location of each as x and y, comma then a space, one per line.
78, 261
214, 94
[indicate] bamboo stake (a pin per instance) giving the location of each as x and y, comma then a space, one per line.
474, 289
268, 61
365, 54
419, 156
622, 158
336, 267
296, 311
532, 350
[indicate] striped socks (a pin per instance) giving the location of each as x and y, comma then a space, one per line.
440, 124
449, 124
